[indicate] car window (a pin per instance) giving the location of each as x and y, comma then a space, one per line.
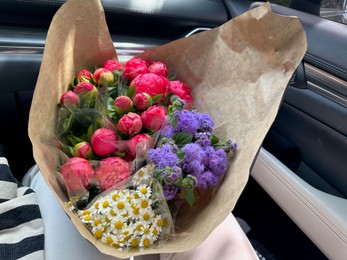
335, 10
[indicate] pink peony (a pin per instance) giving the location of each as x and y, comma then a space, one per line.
77, 173
85, 88
103, 76
83, 150
84, 75
158, 68
150, 83
181, 90
112, 65
134, 67
104, 141
69, 99
154, 117
138, 139
111, 171
130, 124
123, 104
142, 101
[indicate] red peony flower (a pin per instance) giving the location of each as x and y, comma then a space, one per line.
112, 65
84, 88
83, 150
154, 117
69, 99
123, 104
103, 76
77, 173
142, 101
134, 67
111, 171
136, 140
158, 68
150, 83
84, 75
104, 141
130, 124
181, 90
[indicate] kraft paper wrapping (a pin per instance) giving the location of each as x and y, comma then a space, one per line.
238, 73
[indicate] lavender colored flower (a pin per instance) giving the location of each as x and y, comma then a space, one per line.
218, 162
170, 191
167, 131
163, 156
207, 179
171, 175
193, 157
187, 122
203, 139
205, 123
208, 154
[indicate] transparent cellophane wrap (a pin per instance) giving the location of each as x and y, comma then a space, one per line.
238, 73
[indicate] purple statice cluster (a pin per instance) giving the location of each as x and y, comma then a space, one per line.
198, 163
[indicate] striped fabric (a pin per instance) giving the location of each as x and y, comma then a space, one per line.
21, 225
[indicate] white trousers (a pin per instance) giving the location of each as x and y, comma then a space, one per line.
63, 241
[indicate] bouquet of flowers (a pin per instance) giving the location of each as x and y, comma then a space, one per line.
130, 146
159, 141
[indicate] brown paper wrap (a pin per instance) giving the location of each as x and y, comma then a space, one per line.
238, 73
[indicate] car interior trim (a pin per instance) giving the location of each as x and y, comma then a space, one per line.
321, 216
197, 30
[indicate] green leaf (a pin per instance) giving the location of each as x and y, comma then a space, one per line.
131, 91
189, 196
74, 139
157, 98
171, 77
214, 139
182, 138
172, 119
166, 99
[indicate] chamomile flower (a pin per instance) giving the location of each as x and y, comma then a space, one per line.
144, 190
146, 214
108, 238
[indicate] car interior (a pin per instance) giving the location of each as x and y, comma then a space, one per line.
295, 202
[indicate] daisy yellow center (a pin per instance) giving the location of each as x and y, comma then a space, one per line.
113, 213
146, 231
146, 216
138, 228
155, 232
109, 240
118, 225
87, 218
115, 196
125, 214
144, 190
96, 205
136, 211
129, 198
98, 234
144, 204
146, 242
136, 196
160, 223
120, 205
105, 204
97, 222
134, 243
141, 173
85, 212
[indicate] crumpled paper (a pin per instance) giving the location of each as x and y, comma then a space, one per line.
238, 73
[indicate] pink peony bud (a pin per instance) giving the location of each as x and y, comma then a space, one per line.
103, 76
142, 101
150, 83
134, 67
85, 87
84, 75
123, 104
83, 150
140, 139
112, 65
130, 124
111, 171
69, 99
104, 141
158, 68
181, 90
77, 173
154, 117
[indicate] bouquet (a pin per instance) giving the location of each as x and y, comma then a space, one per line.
131, 150
237, 74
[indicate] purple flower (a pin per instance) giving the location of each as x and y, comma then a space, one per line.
205, 123
167, 131
170, 191
163, 156
207, 179
203, 139
208, 154
187, 122
172, 174
193, 157
218, 162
